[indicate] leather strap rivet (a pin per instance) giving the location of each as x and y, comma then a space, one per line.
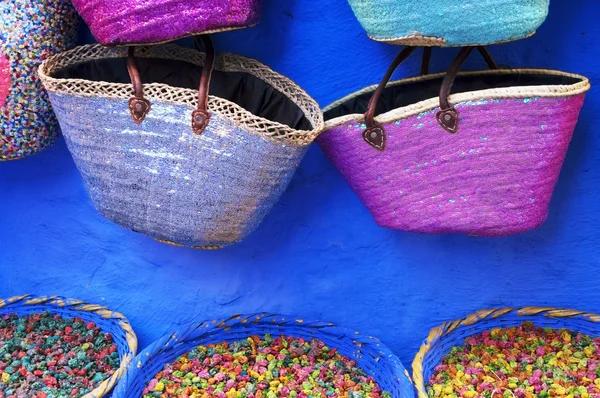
375, 137
139, 109
448, 119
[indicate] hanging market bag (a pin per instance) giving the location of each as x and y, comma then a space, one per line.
109, 322
163, 158
30, 31
449, 23
120, 22
451, 337
370, 354
482, 161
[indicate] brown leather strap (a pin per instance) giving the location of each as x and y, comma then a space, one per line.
426, 60
489, 60
374, 134
201, 117
370, 114
138, 105
448, 116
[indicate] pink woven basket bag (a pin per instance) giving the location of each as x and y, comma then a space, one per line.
121, 22
482, 161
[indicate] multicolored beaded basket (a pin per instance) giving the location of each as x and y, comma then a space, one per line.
370, 354
450, 334
109, 321
30, 32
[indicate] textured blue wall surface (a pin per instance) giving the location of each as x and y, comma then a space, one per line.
319, 254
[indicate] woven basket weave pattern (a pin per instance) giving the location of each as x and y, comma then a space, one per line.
115, 22
494, 177
441, 339
449, 23
108, 321
370, 354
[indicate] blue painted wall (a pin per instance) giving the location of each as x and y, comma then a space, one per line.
319, 254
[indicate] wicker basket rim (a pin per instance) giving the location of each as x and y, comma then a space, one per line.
432, 41
226, 62
450, 326
57, 301
544, 91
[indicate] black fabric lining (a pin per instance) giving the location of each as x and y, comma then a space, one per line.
244, 89
406, 94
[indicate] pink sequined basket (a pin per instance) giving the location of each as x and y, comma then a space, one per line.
482, 161
128, 22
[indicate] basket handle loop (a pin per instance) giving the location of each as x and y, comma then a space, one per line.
374, 134
448, 116
138, 105
201, 117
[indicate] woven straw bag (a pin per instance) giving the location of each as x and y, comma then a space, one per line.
109, 321
119, 22
449, 23
30, 31
370, 354
483, 161
204, 184
441, 339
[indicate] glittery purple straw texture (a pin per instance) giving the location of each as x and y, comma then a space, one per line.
494, 177
117, 22
30, 31
158, 177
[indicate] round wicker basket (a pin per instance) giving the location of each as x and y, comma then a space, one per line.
109, 321
442, 338
370, 354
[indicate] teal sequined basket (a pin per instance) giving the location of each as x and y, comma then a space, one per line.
370, 354
108, 321
449, 23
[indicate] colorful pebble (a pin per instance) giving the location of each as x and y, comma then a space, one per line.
520, 362
46, 356
257, 368
30, 31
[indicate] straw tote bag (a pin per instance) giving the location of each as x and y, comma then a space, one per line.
120, 22
482, 161
162, 157
448, 23
30, 31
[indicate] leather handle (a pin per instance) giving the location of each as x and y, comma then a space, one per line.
201, 117
426, 60
448, 116
139, 107
374, 134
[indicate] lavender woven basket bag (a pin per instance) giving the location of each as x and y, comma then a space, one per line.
30, 31
482, 161
370, 354
164, 158
449, 23
108, 321
450, 334
119, 22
